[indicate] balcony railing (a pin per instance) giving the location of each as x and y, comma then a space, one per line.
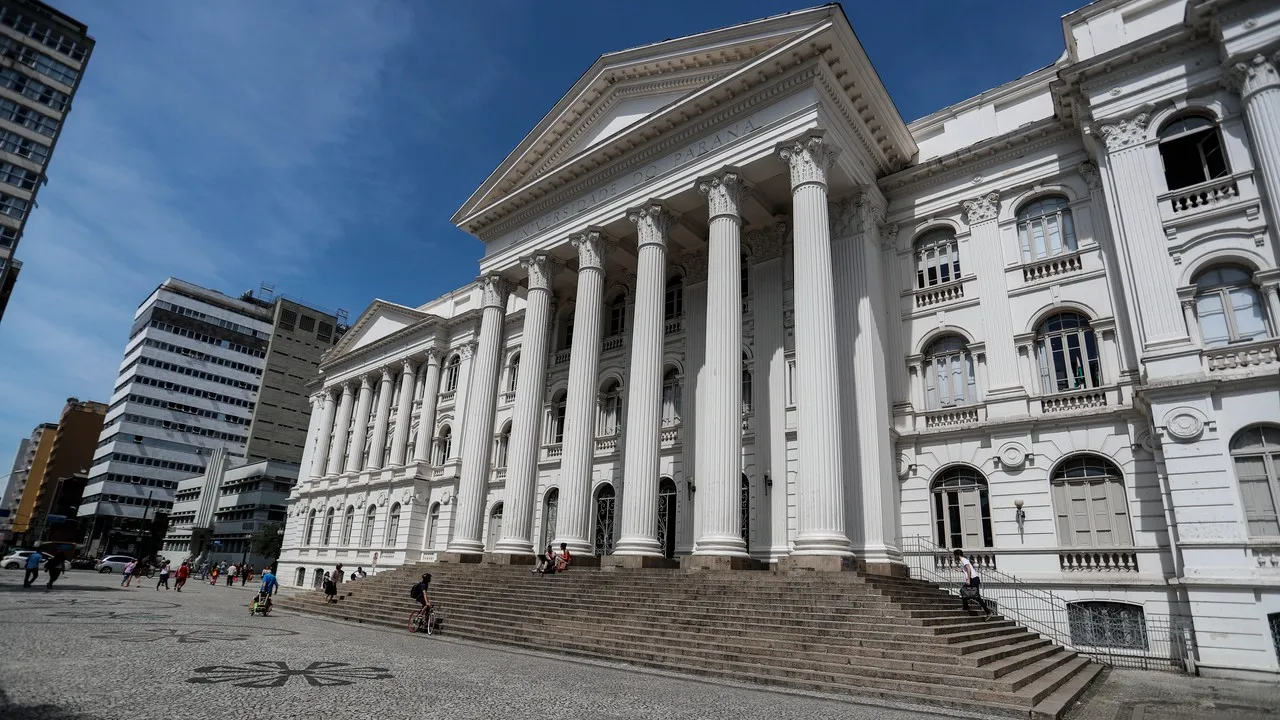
1074, 400
607, 443
499, 474
1099, 561
508, 397
951, 417
561, 357
670, 434
1243, 355
1051, 268
1197, 197
614, 342
447, 396
674, 326
552, 451
938, 294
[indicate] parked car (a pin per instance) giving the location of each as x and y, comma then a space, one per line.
112, 563
84, 563
18, 559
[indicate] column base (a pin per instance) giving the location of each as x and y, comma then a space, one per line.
514, 548
638, 546
637, 562
826, 544
885, 567
719, 562
501, 558
817, 563
460, 558
724, 545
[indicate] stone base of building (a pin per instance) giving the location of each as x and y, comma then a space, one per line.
884, 567
817, 563
718, 562
509, 559
460, 558
637, 562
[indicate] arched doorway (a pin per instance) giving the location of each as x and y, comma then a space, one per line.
495, 527
744, 506
604, 520
667, 516
549, 506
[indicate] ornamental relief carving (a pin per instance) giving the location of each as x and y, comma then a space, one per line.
809, 158
1089, 172
1185, 424
695, 267
593, 247
1249, 76
1012, 454
724, 192
846, 216
767, 243
652, 222
494, 291
982, 209
542, 269
1125, 133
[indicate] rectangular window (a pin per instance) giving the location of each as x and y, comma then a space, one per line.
288, 319
23, 147
307, 324
18, 177
8, 236
13, 207
325, 332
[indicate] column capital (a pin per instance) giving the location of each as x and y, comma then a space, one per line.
1125, 132
1248, 76
366, 381
406, 367
542, 269
767, 243
467, 350
809, 156
725, 191
984, 208
592, 246
432, 355
386, 374
494, 291
652, 221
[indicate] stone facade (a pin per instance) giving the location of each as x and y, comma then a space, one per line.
1040, 325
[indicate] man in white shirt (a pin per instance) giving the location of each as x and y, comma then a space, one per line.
972, 580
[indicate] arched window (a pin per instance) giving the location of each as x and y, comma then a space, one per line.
1045, 228
555, 428
667, 516
937, 258
746, 383
309, 535
444, 444
948, 376
1067, 353
1228, 306
610, 409
618, 315
503, 446
744, 509
1102, 623
348, 520
495, 527
393, 524
1256, 453
670, 397
1191, 148
433, 524
451, 370
605, 505
1090, 504
550, 508
961, 509
513, 372
300, 577
366, 533
317, 577
673, 307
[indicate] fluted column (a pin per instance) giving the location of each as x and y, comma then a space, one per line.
526, 419
404, 412
355, 458
324, 435
820, 485
341, 431
644, 391
427, 413
719, 458
1258, 83
380, 420
482, 396
573, 522
461, 397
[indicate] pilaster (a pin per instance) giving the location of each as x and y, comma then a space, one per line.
987, 256
1258, 82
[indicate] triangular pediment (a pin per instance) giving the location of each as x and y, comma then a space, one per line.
625, 89
378, 321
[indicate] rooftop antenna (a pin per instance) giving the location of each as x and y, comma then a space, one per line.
267, 292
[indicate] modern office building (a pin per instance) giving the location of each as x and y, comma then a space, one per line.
51, 497
735, 310
43, 54
201, 371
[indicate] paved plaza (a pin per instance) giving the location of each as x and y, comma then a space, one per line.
91, 650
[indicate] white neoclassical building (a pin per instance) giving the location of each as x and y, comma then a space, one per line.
733, 308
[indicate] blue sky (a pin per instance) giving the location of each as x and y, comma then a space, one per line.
322, 145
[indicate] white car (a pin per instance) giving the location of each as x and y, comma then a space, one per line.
17, 560
112, 563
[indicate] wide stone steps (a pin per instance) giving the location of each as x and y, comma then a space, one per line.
874, 637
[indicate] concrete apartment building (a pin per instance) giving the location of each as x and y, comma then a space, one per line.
54, 496
202, 371
10, 486
43, 54
33, 455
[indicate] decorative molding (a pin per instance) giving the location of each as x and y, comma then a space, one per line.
982, 209
767, 243
809, 157
846, 216
905, 466
1248, 77
725, 192
1125, 133
1089, 172
1185, 424
652, 221
593, 247
494, 291
889, 239
382, 499
695, 266
467, 350
542, 270
1012, 454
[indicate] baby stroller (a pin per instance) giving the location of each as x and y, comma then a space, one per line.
261, 604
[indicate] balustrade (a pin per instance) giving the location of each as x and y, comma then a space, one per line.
1243, 355
1051, 268
674, 326
561, 357
1099, 561
614, 342
1079, 400
951, 417
938, 294
1197, 197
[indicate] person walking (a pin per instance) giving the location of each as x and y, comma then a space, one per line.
180, 577
231, 574
973, 585
164, 576
128, 572
330, 588
54, 567
33, 569
245, 572
204, 570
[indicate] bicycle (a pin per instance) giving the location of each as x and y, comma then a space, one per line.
424, 620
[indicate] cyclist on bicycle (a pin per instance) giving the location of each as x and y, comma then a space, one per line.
419, 592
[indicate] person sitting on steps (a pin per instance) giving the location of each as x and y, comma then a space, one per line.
563, 558
547, 565
971, 580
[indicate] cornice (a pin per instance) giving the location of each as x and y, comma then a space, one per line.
994, 151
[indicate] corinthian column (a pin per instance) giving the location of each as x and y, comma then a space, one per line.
644, 407
573, 523
718, 461
1258, 83
427, 412
340, 434
820, 514
478, 427
324, 435
355, 458
404, 411
531, 379
380, 420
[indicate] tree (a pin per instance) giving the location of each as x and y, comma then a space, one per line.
266, 541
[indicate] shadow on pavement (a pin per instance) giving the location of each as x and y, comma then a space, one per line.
12, 711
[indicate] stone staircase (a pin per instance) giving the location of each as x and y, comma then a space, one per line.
874, 637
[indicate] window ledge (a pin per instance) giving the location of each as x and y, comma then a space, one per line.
1034, 271
1207, 196
954, 416
939, 294
1241, 356
1070, 400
